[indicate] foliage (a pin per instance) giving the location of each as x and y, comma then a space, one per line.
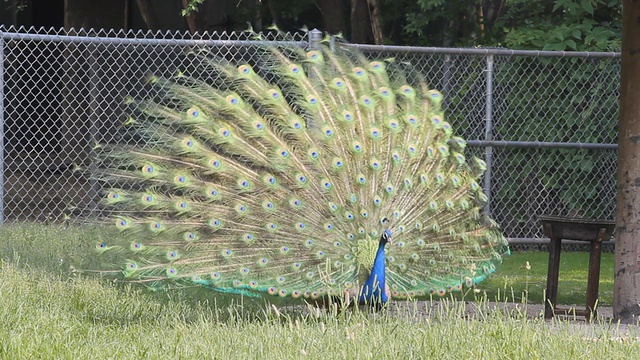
546, 24
191, 6
585, 25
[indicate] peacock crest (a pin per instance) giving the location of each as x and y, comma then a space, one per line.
294, 190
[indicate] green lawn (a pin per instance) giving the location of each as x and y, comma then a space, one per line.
513, 279
49, 311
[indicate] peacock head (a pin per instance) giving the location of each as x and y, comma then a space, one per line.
386, 237
386, 234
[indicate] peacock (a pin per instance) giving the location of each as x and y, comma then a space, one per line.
309, 174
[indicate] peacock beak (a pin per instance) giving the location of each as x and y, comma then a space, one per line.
387, 234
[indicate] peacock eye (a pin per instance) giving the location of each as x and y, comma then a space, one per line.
275, 94
233, 101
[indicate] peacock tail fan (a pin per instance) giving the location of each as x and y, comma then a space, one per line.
278, 178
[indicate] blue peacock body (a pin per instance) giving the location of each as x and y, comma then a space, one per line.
343, 180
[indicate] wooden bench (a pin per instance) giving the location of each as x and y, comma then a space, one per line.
579, 229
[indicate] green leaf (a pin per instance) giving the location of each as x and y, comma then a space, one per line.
576, 34
587, 5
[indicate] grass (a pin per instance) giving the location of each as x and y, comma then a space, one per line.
513, 281
49, 311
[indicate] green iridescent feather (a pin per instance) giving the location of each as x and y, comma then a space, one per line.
280, 187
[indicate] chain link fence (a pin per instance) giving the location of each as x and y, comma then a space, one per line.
545, 122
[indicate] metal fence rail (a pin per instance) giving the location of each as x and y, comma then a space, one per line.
544, 121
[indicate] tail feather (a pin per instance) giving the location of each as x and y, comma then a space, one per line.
248, 187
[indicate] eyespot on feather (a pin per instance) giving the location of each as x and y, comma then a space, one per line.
245, 70
359, 72
274, 94
314, 55
232, 99
377, 66
193, 112
295, 70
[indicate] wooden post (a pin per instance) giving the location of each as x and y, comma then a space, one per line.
593, 286
553, 272
626, 293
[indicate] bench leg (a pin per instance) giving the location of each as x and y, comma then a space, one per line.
593, 284
552, 277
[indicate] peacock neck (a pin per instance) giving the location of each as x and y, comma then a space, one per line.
373, 290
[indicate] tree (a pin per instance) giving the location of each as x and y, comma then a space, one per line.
93, 14
626, 294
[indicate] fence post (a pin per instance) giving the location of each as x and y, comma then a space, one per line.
93, 119
488, 152
1, 128
446, 79
315, 36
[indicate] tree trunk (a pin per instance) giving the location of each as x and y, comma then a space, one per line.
257, 18
191, 18
361, 31
212, 15
491, 11
93, 14
148, 16
334, 16
375, 7
626, 308
9, 15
